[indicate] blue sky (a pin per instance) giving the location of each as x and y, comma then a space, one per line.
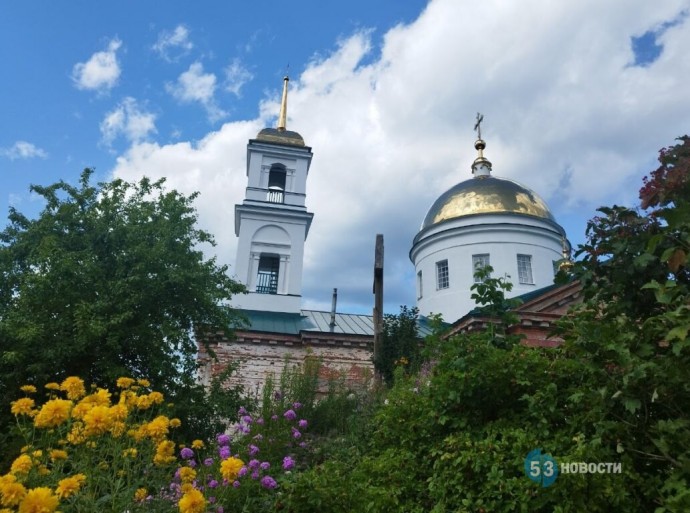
577, 98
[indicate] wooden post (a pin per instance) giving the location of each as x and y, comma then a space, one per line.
378, 299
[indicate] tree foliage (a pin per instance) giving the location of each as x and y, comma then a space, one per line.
109, 280
400, 344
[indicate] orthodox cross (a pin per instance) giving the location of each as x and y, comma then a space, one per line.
478, 125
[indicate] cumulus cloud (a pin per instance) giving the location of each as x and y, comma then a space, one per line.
391, 128
23, 150
194, 85
101, 71
129, 121
236, 76
171, 45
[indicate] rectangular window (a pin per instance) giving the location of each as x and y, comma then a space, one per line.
419, 285
524, 263
479, 261
442, 281
267, 279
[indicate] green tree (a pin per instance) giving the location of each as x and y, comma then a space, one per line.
401, 345
109, 280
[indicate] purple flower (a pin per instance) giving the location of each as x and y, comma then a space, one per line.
253, 449
211, 500
208, 462
259, 437
303, 444
268, 482
255, 474
296, 434
274, 417
253, 464
223, 439
290, 415
288, 463
191, 463
265, 465
236, 484
220, 509
242, 411
302, 424
224, 452
260, 421
186, 453
296, 406
247, 419
212, 483
242, 472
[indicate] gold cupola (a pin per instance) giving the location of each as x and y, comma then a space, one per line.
280, 134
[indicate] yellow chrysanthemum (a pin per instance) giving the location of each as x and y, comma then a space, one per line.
52, 386
230, 467
198, 444
97, 420
43, 470
21, 465
100, 397
156, 397
58, 454
77, 435
29, 389
141, 494
158, 427
23, 406
74, 387
130, 453
175, 423
117, 429
187, 474
53, 413
124, 383
39, 500
165, 451
118, 412
193, 501
144, 382
37, 453
70, 485
144, 402
12, 493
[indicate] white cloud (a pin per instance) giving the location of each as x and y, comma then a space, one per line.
129, 121
101, 71
236, 76
23, 150
194, 85
172, 45
565, 114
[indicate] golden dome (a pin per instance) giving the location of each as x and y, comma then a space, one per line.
486, 195
275, 135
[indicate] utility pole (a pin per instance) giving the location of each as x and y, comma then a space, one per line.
378, 300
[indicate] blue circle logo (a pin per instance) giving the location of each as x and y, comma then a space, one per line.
541, 468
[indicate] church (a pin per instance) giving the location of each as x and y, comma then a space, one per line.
484, 220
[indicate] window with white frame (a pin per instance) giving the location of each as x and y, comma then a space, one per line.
479, 261
442, 281
419, 285
524, 263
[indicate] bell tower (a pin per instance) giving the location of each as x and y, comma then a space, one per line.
272, 222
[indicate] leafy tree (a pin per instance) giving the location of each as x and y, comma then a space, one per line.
400, 345
109, 280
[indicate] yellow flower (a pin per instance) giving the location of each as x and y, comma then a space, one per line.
29, 389
23, 406
198, 444
70, 485
193, 501
11, 493
43, 470
187, 474
52, 386
21, 465
118, 412
124, 382
156, 398
144, 402
53, 413
74, 387
77, 435
131, 453
117, 429
165, 451
58, 454
230, 467
175, 423
98, 420
158, 427
100, 398
141, 494
39, 500
144, 382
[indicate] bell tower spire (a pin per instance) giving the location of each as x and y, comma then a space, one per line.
481, 167
282, 117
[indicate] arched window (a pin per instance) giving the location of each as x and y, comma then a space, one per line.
276, 183
267, 279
